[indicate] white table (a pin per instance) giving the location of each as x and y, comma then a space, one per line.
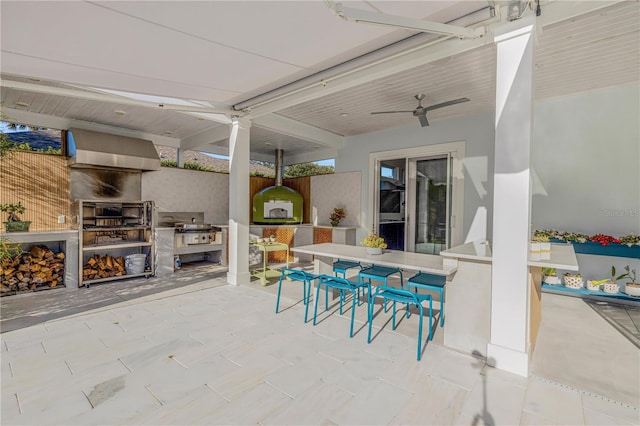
325, 254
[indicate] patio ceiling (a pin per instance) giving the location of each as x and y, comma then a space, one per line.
212, 56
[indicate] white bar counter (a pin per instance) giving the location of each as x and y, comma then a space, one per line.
325, 253
468, 294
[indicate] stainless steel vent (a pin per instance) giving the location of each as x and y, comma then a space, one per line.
93, 149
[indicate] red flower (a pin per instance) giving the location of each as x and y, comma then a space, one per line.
604, 240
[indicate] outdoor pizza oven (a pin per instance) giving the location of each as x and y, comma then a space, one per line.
277, 204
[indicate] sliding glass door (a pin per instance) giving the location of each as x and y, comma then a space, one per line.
428, 210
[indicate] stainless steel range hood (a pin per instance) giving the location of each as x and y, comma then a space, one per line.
93, 149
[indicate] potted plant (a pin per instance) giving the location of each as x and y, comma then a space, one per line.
8, 250
550, 276
14, 223
374, 243
630, 240
573, 281
337, 215
611, 285
632, 288
542, 237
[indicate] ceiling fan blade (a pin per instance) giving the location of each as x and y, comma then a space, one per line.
388, 112
444, 104
423, 120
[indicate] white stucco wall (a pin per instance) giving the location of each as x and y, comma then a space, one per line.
478, 133
182, 190
586, 156
340, 190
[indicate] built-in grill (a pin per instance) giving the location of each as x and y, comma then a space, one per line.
277, 204
189, 227
196, 233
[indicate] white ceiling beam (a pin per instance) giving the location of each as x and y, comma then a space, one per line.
215, 149
52, 122
287, 126
309, 156
416, 57
369, 17
207, 136
552, 12
103, 97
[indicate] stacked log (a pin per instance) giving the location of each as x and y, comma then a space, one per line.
37, 269
103, 267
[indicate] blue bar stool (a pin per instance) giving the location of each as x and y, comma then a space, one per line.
343, 286
403, 296
341, 266
301, 276
381, 273
430, 282
340, 270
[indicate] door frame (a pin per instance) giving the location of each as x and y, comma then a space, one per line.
457, 152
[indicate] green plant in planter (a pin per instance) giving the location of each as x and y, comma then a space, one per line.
374, 240
630, 240
9, 249
14, 223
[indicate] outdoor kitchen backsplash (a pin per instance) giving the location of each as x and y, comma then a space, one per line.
336, 190
180, 190
103, 184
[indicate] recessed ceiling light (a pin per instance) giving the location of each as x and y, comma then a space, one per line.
344, 114
119, 112
268, 144
23, 104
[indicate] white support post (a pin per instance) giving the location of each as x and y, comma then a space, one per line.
180, 158
239, 203
509, 345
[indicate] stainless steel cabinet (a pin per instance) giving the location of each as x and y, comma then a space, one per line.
109, 232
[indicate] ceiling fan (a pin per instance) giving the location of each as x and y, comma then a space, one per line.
421, 112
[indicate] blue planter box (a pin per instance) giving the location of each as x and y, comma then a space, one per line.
618, 250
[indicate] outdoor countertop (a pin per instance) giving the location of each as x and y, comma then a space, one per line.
562, 256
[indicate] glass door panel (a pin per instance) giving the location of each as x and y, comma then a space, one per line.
428, 222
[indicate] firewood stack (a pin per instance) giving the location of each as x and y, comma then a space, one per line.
103, 267
37, 269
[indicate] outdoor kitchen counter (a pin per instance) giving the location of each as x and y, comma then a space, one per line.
468, 295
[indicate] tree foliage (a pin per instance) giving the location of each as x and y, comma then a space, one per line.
307, 169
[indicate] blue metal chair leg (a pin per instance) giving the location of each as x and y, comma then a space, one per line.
420, 331
315, 309
278, 297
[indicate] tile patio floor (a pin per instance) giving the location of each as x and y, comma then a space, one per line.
205, 352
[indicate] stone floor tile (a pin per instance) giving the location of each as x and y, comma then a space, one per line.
251, 407
495, 398
528, 418
598, 418
9, 407
460, 369
312, 407
437, 403
50, 408
160, 353
548, 400
295, 380
191, 408
623, 412
376, 403
115, 402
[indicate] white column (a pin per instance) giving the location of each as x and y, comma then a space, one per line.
180, 158
509, 345
239, 203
